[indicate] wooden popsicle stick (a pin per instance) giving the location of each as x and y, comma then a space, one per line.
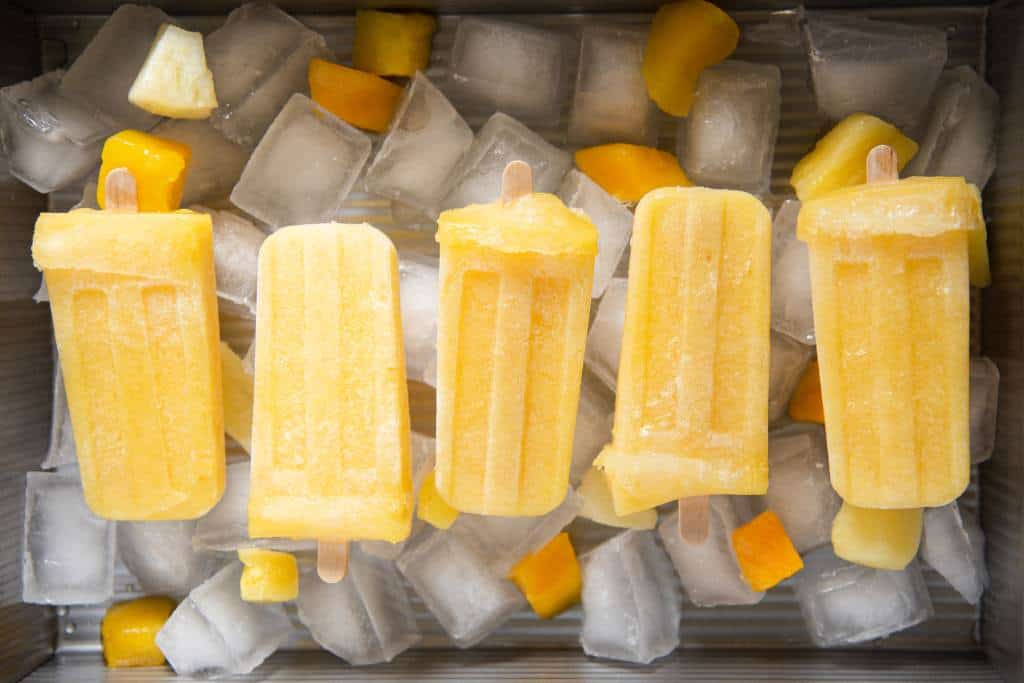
121, 193
516, 181
331, 561
694, 519
883, 166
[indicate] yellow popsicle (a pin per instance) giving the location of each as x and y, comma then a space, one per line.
135, 317
515, 280
691, 414
883, 539
889, 275
330, 451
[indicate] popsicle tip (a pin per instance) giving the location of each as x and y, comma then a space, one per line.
883, 165
516, 181
694, 519
331, 561
121, 191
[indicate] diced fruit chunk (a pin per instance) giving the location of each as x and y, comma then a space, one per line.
598, 506
268, 576
550, 578
238, 397
174, 80
805, 404
358, 97
685, 38
838, 159
883, 539
628, 172
392, 44
159, 166
764, 552
432, 508
129, 629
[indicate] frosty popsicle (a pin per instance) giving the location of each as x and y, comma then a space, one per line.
135, 317
889, 275
515, 281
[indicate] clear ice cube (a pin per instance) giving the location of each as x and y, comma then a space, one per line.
456, 583
62, 438
789, 359
501, 140
611, 103
953, 544
875, 67
604, 343
502, 66
303, 168
213, 632
105, 71
593, 425
844, 603
799, 489
418, 282
68, 551
364, 619
236, 250
259, 58
984, 403
960, 139
423, 146
631, 601
728, 139
614, 223
792, 313
216, 162
708, 571
161, 558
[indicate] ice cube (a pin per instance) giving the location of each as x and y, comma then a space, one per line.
516, 69
788, 361
844, 603
423, 449
259, 58
161, 558
68, 551
708, 571
50, 139
875, 67
501, 140
953, 544
604, 342
799, 489
792, 313
62, 438
728, 139
423, 146
105, 71
457, 585
303, 168
418, 296
984, 403
631, 602
213, 632
216, 162
366, 618
611, 102
236, 250
614, 223
960, 139
593, 425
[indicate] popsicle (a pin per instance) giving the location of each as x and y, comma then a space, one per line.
691, 413
889, 276
330, 447
135, 318
883, 539
515, 281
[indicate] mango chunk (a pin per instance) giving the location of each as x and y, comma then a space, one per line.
764, 552
883, 539
432, 508
238, 397
599, 507
129, 629
159, 167
174, 80
268, 576
628, 172
550, 578
363, 99
806, 405
392, 44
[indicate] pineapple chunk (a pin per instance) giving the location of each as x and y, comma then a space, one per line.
238, 397
883, 539
159, 166
174, 80
432, 508
550, 578
268, 576
129, 629
598, 506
